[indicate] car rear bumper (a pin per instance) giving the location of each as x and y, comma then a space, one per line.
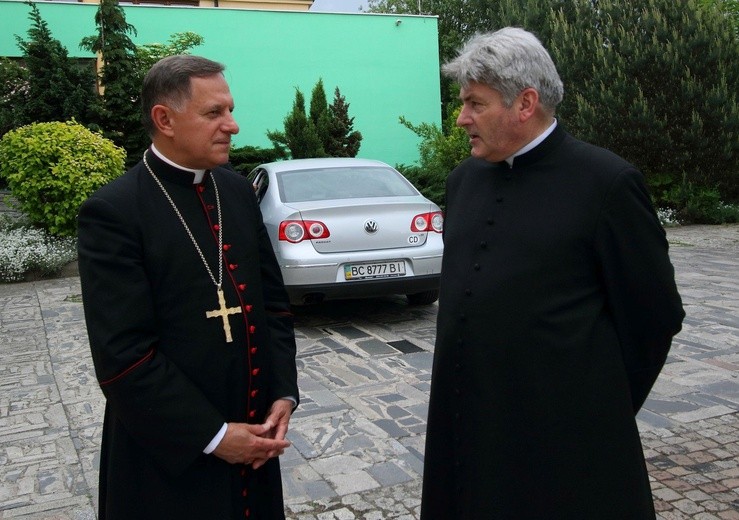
315, 293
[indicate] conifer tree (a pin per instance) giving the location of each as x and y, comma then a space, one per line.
327, 131
319, 114
56, 88
119, 110
343, 140
658, 84
300, 136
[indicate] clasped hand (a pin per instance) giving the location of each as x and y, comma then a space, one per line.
256, 443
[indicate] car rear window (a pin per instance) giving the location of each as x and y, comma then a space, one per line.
342, 183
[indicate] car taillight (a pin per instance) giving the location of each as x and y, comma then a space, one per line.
428, 222
298, 230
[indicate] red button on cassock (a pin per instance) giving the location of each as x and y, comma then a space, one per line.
255, 372
252, 413
252, 329
253, 350
226, 247
254, 393
248, 308
233, 267
201, 188
242, 287
216, 227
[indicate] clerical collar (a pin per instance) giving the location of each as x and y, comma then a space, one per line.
198, 173
533, 144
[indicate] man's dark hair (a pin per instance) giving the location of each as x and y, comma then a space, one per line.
168, 83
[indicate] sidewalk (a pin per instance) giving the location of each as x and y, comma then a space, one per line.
358, 435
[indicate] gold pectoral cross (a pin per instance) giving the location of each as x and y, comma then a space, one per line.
223, 312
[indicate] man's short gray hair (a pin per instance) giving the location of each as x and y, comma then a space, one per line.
168, 83
508, 60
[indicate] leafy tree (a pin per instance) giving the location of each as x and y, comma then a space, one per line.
119, 112
343, 140
440, 150
179, 43
55, 88
300, 136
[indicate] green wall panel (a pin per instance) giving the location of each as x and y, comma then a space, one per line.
385, 69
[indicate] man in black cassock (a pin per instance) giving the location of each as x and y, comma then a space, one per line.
557, 308
188, 320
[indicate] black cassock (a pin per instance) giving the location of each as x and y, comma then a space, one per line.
169, 376
557, 309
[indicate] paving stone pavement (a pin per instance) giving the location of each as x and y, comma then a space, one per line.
358, 436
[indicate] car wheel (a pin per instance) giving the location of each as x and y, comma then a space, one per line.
423, 298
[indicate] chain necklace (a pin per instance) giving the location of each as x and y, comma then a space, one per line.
222, 312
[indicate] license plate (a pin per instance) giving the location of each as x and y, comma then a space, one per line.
374, 270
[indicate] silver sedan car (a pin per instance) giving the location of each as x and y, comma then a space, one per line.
347, 228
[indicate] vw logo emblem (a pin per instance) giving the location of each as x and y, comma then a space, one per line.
370, 226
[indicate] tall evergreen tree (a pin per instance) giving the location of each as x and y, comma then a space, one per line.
57, 89
300, 136
120, 113
319, 113
658, 84
343, 140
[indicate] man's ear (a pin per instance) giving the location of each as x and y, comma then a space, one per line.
527, 102
161, 117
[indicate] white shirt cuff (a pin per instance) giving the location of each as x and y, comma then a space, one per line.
216, 440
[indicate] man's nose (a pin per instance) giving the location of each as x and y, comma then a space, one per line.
231, 126
463, 118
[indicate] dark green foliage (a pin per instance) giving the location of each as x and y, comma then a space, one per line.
654, 81
319, 114
658, 85
119, 113
327, 131
51, 168
300, 136
56, 89
13, 88
440, 152
342, 140
246, 158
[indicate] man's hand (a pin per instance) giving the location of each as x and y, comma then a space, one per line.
279, 416
251, 443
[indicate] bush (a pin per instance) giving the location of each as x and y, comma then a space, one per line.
441, 150
699, 205
246, 158
51, 168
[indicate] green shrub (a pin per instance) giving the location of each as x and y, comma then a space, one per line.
51, 168
441, 150
246, 158
699, 205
